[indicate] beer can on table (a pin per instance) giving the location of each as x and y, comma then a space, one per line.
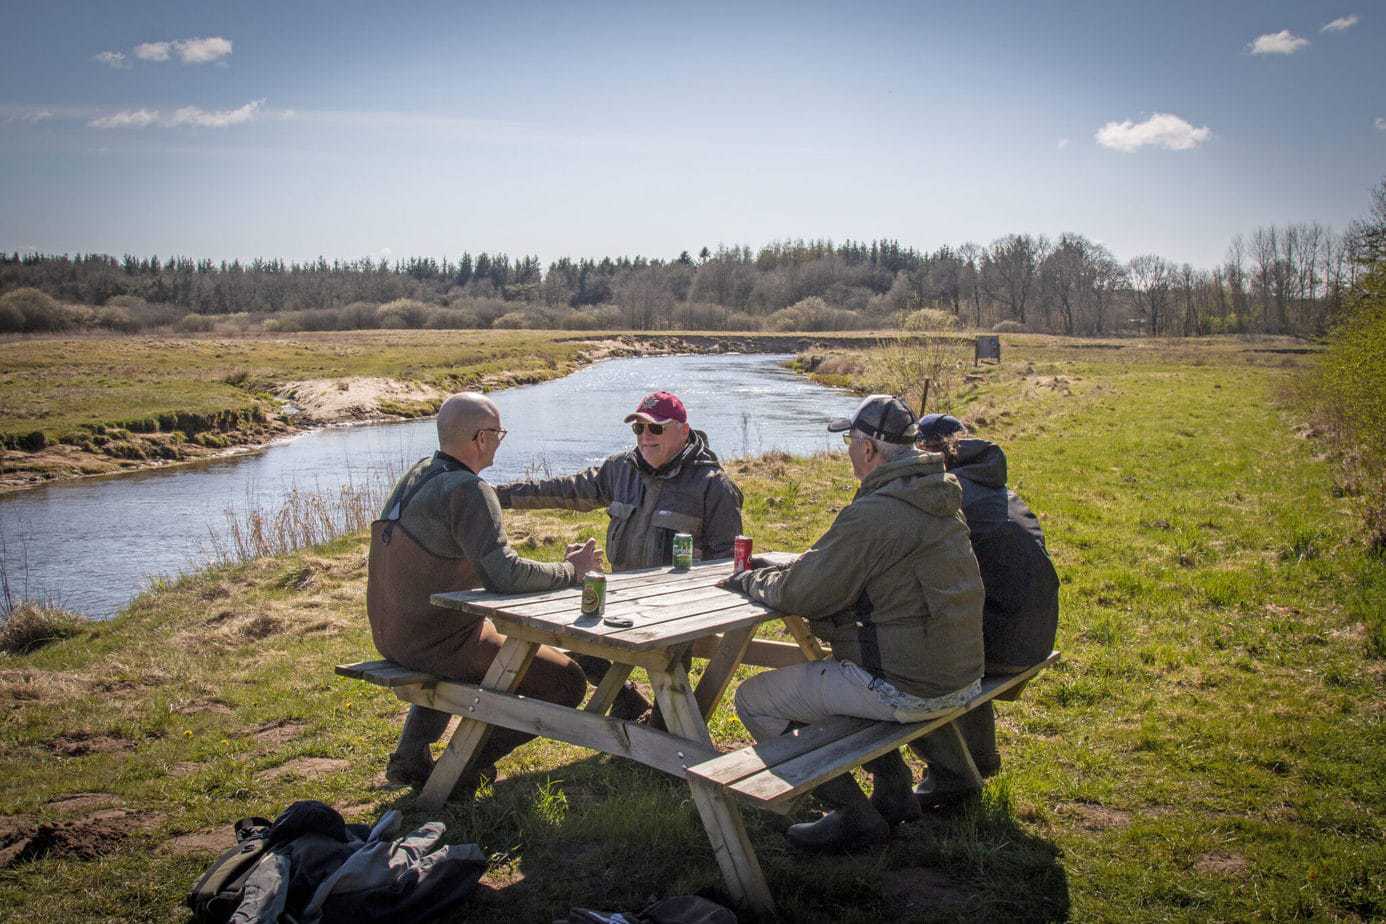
683, 551
741, 554
593, 593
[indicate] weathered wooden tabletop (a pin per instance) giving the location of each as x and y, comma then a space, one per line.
668, 608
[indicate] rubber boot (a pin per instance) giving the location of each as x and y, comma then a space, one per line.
891, 794
853, 822
943, 791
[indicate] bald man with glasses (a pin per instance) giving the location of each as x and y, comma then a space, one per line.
441, 531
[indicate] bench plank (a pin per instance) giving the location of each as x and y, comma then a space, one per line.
775, 772
385, 673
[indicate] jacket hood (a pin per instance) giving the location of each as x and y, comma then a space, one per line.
981, 461
919, 480
695, 452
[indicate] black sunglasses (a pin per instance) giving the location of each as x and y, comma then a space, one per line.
639, 427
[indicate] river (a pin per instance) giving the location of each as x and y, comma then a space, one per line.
91, 545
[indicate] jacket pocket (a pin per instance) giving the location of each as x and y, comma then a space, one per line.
620, 510
677, 522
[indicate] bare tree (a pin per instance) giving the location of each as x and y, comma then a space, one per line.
1010, 269
1151, 276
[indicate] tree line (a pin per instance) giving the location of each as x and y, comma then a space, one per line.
1290, 279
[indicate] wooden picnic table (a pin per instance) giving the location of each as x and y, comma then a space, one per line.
676, 614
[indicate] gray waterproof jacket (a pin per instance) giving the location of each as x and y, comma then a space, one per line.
893, 585
689, 494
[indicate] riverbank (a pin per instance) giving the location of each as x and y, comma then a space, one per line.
74, 407
1211, 746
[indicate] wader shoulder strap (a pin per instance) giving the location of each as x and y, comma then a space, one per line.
449, 465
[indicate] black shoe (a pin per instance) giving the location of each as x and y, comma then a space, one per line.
629, 704
409, 769
934, 796
890, 791
840, 830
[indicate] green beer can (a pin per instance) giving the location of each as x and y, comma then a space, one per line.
683, 551
593, 593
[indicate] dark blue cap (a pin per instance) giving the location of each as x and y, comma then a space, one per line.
938, 426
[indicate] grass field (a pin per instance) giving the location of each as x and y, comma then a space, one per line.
1212, 746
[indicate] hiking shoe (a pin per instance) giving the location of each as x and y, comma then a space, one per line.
936, 796
409, 769
840, 830
629, 704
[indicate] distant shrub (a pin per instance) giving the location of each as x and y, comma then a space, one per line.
357, 316
28, 626
812, 314
32, 311
740, 320
929, 319
453, 319
403, 313
699, 316
124, 301
194, 324
580, 320
1009, 327
514, 320
115, 317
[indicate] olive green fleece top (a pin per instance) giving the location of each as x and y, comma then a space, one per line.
456, 515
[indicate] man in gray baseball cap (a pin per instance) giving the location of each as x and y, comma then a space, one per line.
893, 586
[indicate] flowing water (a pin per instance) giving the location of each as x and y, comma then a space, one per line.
91, 545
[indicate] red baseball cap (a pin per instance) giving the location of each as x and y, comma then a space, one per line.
659, 408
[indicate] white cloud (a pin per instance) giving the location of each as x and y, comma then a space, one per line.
189, 51
1380, 124
203, 50
218, 118
32, 116
1063, 143
1162, 129
115, 59
1341, 24
130, 118
1283, 42
153, 51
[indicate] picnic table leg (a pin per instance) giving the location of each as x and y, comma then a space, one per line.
606, 691
713, 684
808, 642
721, 816
504, 675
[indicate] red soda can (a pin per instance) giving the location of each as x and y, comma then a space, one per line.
741, 554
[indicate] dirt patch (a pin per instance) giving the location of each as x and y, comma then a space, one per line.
1222, 864
278, 732
209, 840
185, 768
83, 802
361, 813
1091, 817
329, 401
78, 744
307, 767
22, 840
262, 627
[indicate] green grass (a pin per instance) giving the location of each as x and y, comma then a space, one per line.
1211, 746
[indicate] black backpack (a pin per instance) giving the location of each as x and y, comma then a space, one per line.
218, 893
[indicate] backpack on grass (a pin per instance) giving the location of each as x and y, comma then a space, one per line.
218, 893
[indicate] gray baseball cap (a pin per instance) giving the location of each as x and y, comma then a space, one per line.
882, 417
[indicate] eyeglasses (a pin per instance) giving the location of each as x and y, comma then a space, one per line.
500, 434
640, 426
849, 438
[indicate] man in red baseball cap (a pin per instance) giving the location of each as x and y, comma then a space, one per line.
669, 482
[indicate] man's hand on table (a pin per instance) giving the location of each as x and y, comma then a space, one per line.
585, 557
741, 582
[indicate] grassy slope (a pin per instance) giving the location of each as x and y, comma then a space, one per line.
57, 385
1211, 747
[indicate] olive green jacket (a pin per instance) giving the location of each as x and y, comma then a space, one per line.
893, 585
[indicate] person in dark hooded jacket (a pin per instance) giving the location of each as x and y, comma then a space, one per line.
669, 482
1021, 613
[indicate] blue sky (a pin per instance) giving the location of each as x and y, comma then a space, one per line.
348, 129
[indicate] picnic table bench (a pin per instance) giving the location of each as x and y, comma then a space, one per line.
677, 615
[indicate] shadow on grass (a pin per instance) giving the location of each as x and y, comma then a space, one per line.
608, 834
